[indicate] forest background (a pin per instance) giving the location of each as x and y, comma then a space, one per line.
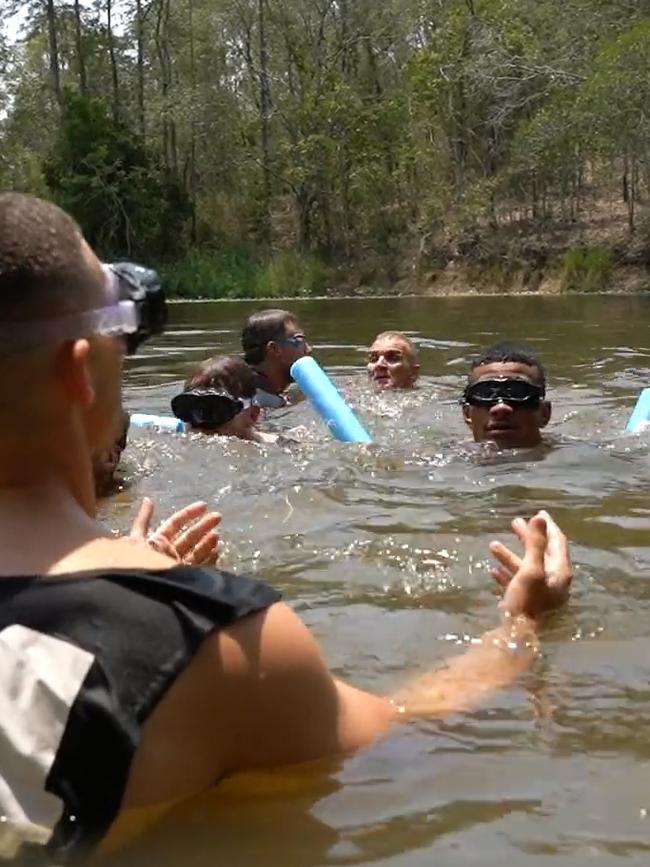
261, 148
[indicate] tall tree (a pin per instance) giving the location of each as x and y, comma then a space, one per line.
81, 60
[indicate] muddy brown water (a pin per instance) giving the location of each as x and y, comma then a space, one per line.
383, 551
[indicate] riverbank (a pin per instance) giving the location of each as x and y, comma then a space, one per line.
460, 277
596, 254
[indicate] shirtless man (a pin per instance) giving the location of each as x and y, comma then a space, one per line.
272, 340
127, 681
505, 397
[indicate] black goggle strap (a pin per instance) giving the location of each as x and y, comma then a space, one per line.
207, 408
508, 389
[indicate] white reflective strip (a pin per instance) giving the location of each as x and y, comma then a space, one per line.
40, 678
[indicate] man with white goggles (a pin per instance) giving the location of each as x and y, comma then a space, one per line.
138, 310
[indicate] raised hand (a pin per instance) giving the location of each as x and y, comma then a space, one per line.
539, 581
188, 536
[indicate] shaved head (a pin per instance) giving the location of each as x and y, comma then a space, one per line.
392, 361
46, 268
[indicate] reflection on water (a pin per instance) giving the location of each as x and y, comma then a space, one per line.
383, 550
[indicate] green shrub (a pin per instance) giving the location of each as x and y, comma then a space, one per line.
586, 269
234, 273
288, 275
211, 274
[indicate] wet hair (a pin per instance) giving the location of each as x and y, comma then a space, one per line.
226, 372
259, 329
505, 351
397, 335
43, 268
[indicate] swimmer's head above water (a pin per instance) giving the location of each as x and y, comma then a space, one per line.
271, 341
504, 398
106, 462
392, 361
66, 323
218, 398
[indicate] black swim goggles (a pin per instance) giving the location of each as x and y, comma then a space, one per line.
141, 287
208, 408
516, 393
134, 308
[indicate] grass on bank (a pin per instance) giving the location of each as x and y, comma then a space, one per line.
586, 269
236, 273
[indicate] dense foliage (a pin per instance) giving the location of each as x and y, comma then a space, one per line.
248, 144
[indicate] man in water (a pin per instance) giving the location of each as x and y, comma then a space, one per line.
504, 398
128, 682
220, 398
392, 361
187, 536
272, 340
106, 462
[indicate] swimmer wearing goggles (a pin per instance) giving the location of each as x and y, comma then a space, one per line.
219, 397
208, 409
504, 400
135, 309
516, 393
216, 411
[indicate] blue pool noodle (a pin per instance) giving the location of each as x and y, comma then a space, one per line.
641, 413
327, 401
157, 422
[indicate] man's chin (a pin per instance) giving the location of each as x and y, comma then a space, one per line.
509, 438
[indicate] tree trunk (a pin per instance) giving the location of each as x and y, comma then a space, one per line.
168, 132
628, 192
305, 203
55, 72
139, 29
113, 59
81, 60
265, 108
192, 185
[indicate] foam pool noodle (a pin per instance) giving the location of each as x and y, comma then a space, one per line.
641, 415
157, 422
328, 403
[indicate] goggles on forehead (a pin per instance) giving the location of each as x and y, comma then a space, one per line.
136, 310
514, 392
208, 408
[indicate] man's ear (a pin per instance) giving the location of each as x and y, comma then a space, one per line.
546, 413
73, 370
273, 348
467, 414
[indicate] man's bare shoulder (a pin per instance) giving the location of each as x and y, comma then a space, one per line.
257, 694
111, 553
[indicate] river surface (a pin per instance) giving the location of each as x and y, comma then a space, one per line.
383, 550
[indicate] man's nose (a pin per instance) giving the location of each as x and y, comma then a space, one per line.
308, 349
500, 409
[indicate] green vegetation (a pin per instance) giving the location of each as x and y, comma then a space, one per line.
235, 274
290, 274
586, 270
298, 138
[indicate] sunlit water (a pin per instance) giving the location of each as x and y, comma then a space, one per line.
383, 550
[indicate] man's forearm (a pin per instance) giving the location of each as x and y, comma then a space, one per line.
494, 661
